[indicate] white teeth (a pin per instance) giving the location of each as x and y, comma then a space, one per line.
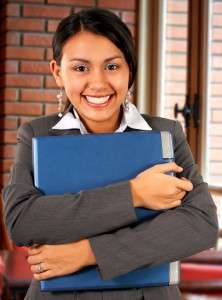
97, 100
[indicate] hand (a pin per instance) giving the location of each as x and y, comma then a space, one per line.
58, 260
156, 190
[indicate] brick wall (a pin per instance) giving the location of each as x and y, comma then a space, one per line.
27, 89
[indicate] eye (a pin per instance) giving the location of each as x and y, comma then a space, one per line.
81, 68
112, 67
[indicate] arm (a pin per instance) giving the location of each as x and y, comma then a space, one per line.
32, 217
172, 235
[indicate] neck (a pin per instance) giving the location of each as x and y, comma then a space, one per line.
105, 126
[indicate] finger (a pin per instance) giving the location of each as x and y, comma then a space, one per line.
180, 195
185, 185
44, 275
33, 251
35, 268
174, 204
167, 167
34, 259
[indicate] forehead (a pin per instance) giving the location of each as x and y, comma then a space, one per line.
89, 46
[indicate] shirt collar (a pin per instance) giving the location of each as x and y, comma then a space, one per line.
131, 118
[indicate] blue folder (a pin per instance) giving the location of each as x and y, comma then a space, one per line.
71, 163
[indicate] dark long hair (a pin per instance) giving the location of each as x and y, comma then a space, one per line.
102, 22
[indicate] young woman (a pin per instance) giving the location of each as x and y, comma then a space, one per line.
94, 66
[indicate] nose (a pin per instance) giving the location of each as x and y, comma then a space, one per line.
98, 79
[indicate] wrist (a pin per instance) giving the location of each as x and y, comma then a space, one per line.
90, 258
136, 199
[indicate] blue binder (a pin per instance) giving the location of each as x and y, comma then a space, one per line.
71, 163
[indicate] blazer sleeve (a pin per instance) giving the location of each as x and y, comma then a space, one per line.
32, 217
171, 236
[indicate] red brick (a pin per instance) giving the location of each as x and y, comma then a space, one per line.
8, 94
177, 19
176, 46
129, 17
49, 54
72, 2
171, 100
215, 154
45, 11
217, 117
216, 20
177, 6
52, 25
6, 164
50, 82
216, 141
217, 7
51, 109
39, 95
175, 87
176, 32
9, 66
23, 24
176, 60
27, 1
9, 136
29, 109
216, 48
35, 67
120, 4
216, 89
35, 39
7, 151
8, 123
217, 61
12, 10
215, 168
24, 80
10, 38
13, 38
176, 74
215, 129
216, 102
217, 34
25, 53
216, 76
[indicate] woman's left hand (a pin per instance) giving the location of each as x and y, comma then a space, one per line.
57, 260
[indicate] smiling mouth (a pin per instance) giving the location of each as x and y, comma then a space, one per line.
99, 101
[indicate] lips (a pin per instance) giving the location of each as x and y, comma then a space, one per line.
98, 101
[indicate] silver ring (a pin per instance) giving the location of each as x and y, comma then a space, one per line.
39, 268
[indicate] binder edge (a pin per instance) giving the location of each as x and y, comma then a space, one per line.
35, 161
167, 144
174, 273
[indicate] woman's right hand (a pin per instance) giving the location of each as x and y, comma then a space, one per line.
154, 189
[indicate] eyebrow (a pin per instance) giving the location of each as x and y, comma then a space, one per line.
87, 61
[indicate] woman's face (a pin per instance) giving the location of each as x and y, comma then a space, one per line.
95, 76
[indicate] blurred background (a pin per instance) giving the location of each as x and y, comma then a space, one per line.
179, 45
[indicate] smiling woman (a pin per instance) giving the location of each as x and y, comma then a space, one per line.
94, 65
95, 76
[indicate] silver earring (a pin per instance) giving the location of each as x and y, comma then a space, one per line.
127, 100
126, 105
60, 102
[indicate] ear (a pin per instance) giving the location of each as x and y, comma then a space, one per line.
56, 72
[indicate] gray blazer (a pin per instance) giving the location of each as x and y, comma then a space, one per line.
104, 215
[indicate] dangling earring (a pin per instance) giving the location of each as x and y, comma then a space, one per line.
126, 101
60, 102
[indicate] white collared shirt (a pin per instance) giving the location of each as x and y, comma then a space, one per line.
131, 118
